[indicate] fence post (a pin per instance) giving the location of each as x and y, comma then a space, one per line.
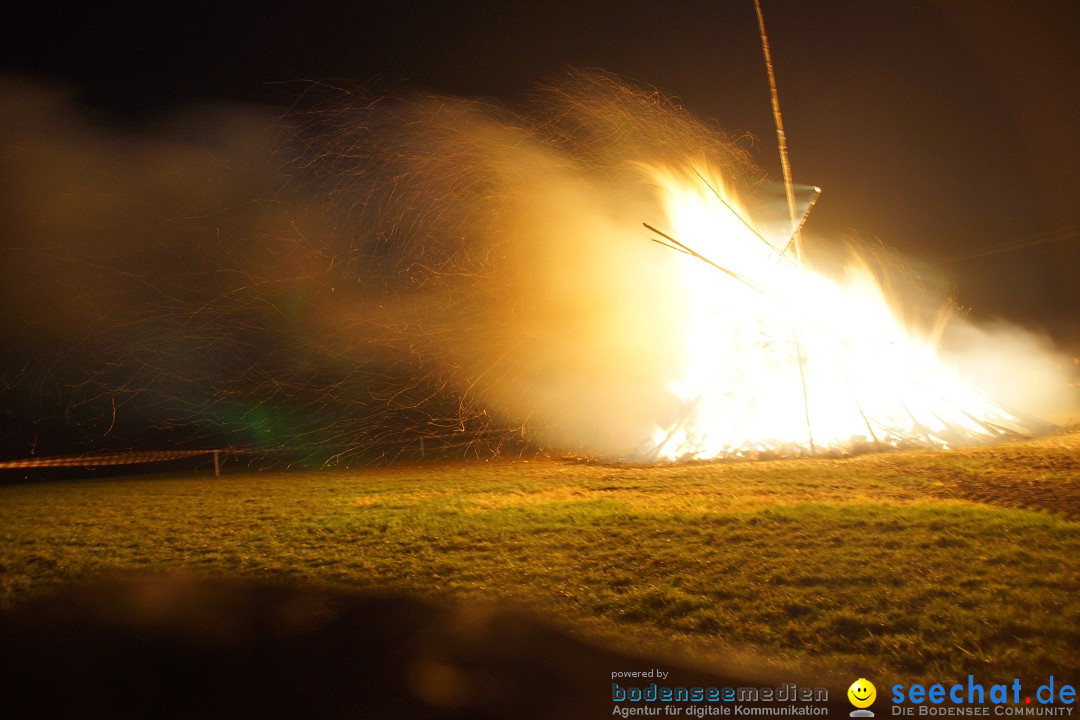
217, 464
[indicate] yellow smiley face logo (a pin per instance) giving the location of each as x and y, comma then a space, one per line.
862, 693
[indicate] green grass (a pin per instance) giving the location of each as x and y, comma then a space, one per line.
909, 565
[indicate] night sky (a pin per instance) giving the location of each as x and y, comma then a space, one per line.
943, 129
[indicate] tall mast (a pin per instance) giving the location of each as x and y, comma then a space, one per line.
781, 140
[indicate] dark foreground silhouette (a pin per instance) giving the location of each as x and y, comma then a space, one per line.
181, 646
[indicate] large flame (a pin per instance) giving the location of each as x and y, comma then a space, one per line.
780, 358
443, 275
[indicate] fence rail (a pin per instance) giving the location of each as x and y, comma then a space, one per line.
115, 458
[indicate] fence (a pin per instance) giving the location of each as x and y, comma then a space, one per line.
116, 458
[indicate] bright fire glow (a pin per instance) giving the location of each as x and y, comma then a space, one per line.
779, 358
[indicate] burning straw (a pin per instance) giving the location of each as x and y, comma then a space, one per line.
438, 276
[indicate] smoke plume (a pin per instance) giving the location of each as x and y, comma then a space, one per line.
365, 277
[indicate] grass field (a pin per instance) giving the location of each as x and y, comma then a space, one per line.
909, 565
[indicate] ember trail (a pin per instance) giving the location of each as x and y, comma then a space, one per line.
594, 272
611, 277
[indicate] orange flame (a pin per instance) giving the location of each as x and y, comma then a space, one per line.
779, 358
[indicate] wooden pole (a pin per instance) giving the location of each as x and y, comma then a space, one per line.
217, 463
781, 139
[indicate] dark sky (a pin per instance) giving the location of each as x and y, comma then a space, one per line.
944, 129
